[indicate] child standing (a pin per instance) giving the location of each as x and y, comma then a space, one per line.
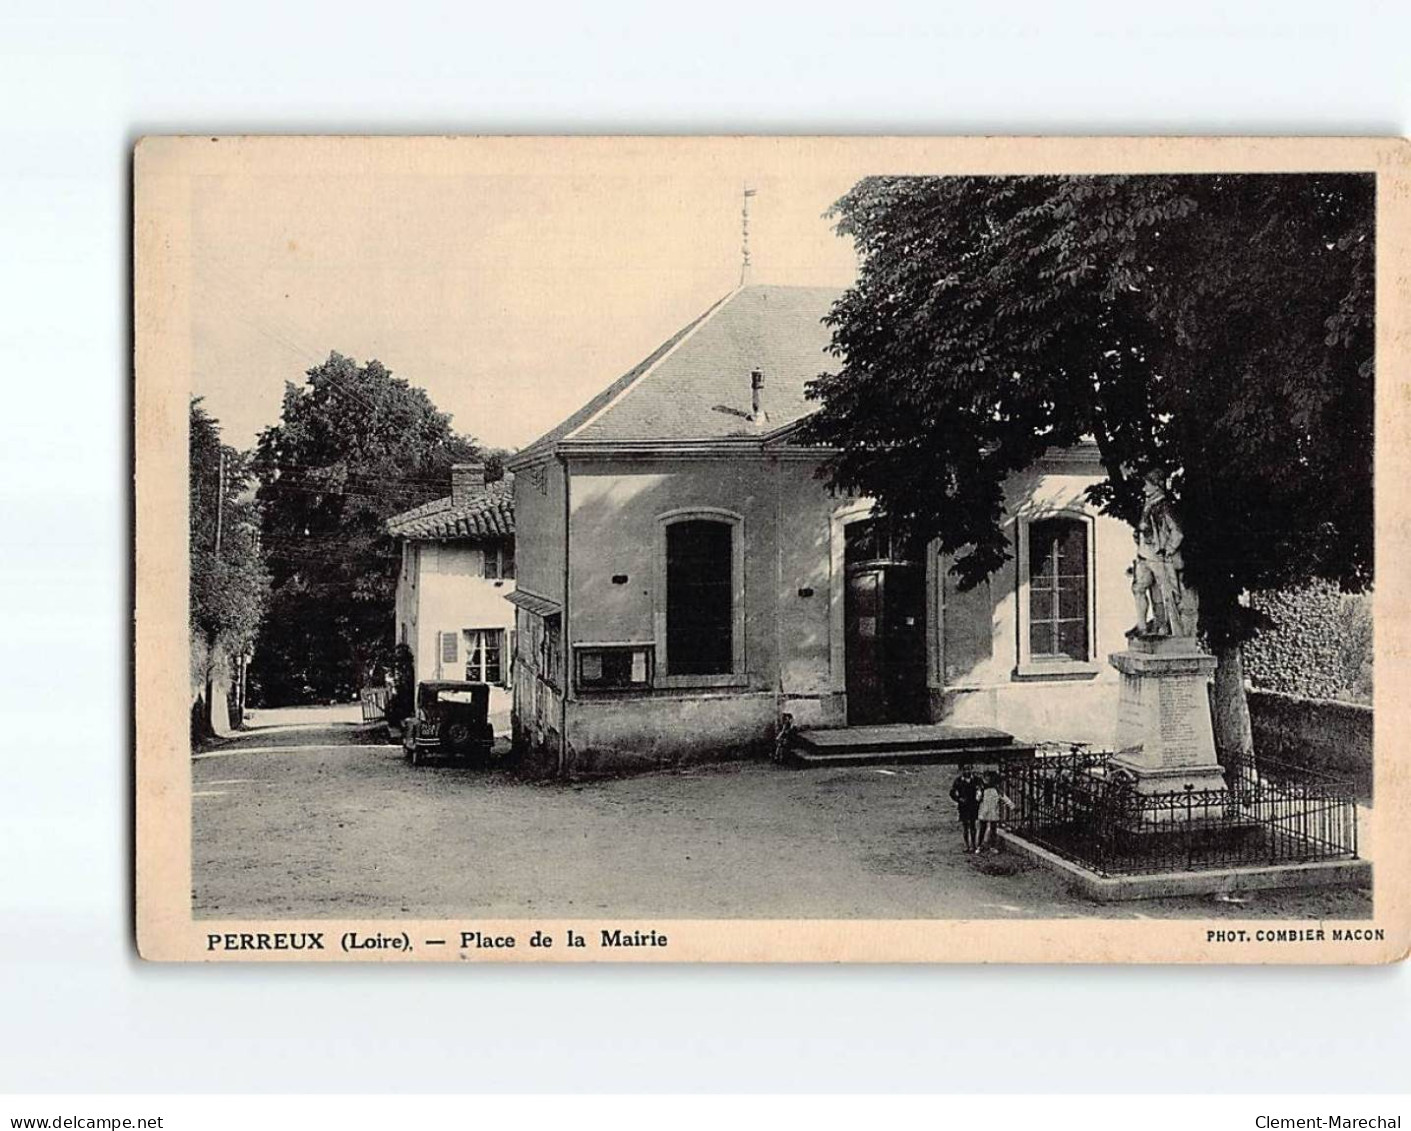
992, 805
965, 792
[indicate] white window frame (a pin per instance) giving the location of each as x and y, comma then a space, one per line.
737, 675
470, 634
495, 553
1043, 667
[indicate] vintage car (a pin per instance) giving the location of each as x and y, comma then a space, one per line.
450, 721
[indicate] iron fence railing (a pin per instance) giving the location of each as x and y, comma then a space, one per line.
1082, 807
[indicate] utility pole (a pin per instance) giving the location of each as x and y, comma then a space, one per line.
220, 500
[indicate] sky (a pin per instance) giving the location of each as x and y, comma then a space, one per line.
511, 297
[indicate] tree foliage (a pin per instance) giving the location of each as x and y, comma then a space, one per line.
1219, 327
355, 445
229, 584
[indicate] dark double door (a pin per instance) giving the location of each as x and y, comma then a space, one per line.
885, 641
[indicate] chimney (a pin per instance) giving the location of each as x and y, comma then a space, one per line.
757, 414
467, 481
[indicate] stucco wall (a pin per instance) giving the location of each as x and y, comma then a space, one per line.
784, 519
794, 654
615, 734
451, 595
538, 525
615, 532
982, 678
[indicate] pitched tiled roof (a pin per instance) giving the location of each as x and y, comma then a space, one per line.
697, 385
489, 515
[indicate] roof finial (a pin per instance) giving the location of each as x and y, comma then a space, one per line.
745, 235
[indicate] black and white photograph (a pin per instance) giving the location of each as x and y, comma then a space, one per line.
624, 533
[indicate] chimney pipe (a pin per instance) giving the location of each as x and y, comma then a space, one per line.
467, 481
757, 414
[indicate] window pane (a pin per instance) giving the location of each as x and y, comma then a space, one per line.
1040, 551
507, 569
1073, 639
1073, 544
699, 597
1040, 604
1073, 602
1041, 638
860, 542
617, 666
491, 557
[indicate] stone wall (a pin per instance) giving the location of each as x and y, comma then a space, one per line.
1320, 734
1320, 647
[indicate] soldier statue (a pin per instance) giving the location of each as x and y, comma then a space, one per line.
1165, 606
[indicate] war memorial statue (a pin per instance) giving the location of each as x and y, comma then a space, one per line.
1165, 738
1164, 604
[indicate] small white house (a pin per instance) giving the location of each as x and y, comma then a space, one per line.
457, 570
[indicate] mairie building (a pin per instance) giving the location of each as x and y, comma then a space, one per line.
686, 580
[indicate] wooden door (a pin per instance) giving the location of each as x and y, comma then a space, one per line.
864, 667
885, 645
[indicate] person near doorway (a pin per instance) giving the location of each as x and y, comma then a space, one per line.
993, 803
965, 792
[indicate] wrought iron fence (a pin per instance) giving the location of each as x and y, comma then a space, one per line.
1084, 808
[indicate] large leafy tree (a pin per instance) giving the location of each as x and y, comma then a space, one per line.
229, 581
1218, 327
354, 446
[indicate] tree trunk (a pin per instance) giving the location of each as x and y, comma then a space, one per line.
217, 690
1234, 737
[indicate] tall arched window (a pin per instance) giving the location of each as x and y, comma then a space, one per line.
700, 615
699, 612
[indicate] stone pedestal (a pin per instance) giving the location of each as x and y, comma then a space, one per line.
1165, 739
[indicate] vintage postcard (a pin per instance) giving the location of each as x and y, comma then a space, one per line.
772, 549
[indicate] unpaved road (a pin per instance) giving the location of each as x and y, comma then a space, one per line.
312, 815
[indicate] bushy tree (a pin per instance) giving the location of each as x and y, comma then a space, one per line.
229, 581
1219, 328
354, 446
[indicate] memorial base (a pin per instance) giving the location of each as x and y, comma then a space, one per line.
1165, 740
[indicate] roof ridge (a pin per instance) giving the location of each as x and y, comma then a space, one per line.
681, 339
599, 403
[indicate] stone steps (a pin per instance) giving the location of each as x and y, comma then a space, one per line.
905, 742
